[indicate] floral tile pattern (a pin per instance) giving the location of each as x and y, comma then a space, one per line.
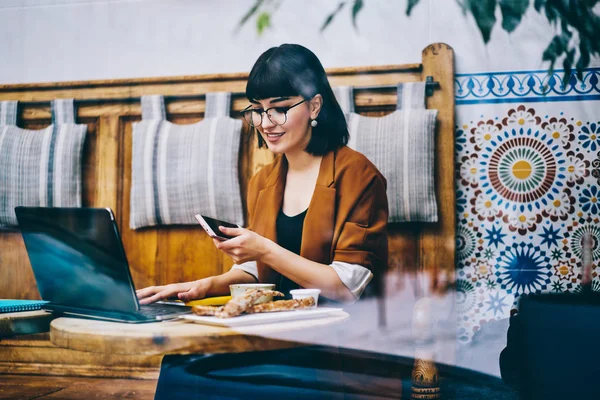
528, 188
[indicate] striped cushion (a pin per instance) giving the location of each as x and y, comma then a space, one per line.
401, 145
181, 170
40, 167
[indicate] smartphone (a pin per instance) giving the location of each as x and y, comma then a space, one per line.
211, 226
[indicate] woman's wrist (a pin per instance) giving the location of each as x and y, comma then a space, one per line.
209, 284
218, 285
270, 252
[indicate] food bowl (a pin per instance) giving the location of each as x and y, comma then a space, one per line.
240, 288
298, 294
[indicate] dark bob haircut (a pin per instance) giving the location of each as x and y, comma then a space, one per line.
294, 70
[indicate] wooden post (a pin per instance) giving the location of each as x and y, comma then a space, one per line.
437, 244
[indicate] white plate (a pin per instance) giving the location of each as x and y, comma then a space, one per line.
263, 318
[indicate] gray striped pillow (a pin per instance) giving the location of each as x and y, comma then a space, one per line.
182, 170
401, 145
40, 168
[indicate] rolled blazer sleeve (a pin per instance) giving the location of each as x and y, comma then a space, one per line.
363, 237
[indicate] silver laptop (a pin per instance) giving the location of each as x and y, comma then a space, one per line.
80, 266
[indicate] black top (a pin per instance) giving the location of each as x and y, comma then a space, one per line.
289, 236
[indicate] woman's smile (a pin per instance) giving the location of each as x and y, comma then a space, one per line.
275, 135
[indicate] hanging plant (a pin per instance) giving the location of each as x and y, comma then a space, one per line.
577, 26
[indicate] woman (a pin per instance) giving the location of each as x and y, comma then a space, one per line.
318, 213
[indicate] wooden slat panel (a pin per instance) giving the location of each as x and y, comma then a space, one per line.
376, 69
17, 387
187, 108
403, 243
35, 354
102, 180
141, 246
403, 239
191, 250
182, 89
89, 163
437, 243
16, 277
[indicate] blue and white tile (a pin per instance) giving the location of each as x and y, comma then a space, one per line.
526, 190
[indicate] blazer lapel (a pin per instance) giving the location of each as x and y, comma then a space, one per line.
267, 207
317, 234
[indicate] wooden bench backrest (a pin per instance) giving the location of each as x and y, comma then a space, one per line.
174, 253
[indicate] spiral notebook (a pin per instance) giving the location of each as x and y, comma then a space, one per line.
7, 306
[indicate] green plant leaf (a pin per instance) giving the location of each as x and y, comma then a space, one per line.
584, 57
356, 7
564, 26
579, 17
464, 5
331, 16
262, 22
483, 11
538, 4
573, 18
550, 12
512, 13
411, 4
556, 47
567, 65
569, 13
588, 25
250, 13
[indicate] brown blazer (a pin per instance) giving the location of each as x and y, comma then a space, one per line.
346, 219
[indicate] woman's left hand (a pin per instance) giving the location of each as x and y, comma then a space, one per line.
245, 246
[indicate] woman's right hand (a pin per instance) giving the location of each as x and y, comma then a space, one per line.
185, 291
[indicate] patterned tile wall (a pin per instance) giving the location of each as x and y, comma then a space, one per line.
528, 188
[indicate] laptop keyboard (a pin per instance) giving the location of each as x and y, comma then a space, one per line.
159, 309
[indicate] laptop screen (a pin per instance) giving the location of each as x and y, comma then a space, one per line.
77, 257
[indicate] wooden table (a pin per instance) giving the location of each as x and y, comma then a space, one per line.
174, 337
24, 323
89, 348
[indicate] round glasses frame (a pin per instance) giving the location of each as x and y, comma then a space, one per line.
279, 114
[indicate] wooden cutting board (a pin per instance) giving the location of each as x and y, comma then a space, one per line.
174, 337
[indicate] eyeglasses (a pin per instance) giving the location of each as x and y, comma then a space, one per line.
277, 115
